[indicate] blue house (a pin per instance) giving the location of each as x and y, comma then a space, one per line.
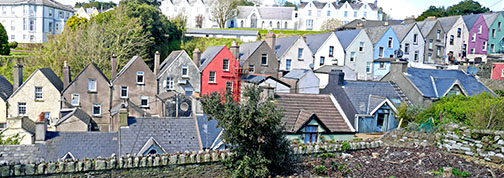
385, 41
381, 67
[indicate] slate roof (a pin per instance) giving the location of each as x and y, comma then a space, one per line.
434, 82
376, 33
349, 73
267, 13
426, 26
374, 102
318, 5
50, 3
296, 74
222, 32
257, 79
21, 153
5, 88
470, 20
49, 74
28, 125
402, 30
283, 44
369, 23
346, 37
315, 41
82, 71
172, 134
300, 106
168, 60
247, 49
209, 131
490, 18
448, 22
209, 55
77, 112
80, 144
359, 92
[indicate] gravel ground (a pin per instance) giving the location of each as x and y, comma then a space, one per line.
392, 162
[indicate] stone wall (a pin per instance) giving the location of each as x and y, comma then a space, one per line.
136, 162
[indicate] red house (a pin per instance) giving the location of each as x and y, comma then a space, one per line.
498, 71
220, 71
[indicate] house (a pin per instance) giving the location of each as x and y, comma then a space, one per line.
293, 53
197, 12
326, 49
5, 92
412, 43
373, 104
86, 12
220, 71
323, 74
40, 93
313, 118
243, 35
134, 87
477, 41
366, 23
75, 120
434, 41
265, 18
178, 73
358, 52
270, 85
495, 34
385, 41
381, 67
497, 71
302, 81
90, 93
425, 86
259, 58
47, 17
456, 35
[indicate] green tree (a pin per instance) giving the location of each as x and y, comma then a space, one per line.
432, 11
75, 22
12, 140
4, 41
331, 24
464, 7
253, 130
244, 3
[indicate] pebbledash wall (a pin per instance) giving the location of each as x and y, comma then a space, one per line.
151, 161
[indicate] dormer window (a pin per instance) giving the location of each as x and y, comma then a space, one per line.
185, 71
140, 78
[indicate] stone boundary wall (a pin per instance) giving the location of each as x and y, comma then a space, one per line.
176, 159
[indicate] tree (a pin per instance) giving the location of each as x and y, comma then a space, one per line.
244, 3
331, 24
253, 131
432, 11
4, 41
464, 7
75, 22
290, 4
223, 11
12, 140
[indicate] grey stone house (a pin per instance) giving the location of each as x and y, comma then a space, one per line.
90, 92
433, 33
178, 73
258, 57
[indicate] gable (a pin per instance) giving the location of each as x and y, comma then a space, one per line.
151, 147
37, 78
89, 70
130, 69
183, 58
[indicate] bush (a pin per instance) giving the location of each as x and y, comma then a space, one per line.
345, 146
4, 41
320, 170
13, 45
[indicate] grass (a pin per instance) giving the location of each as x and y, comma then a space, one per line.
263, 32
19, 53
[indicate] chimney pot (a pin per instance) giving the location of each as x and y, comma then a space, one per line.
197, 57
66, 75
113, 71
157, 59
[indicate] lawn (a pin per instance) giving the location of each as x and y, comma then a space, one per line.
263, 32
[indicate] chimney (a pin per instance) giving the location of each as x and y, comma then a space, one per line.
157, 59
399, 67
114, 67
66, 75
304, 37
271, 40
197, 57
235, 50
431, 18
359, 25
40, 128
123, 117
17, 75
386, 23
336, 81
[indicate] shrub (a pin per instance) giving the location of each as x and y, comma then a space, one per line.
345, 146
4, 41
13, 45
327, 155
320, 170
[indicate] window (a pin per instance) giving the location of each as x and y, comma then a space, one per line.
75, 99
473, 38
13, 26
170, 83
309, 24
50, 26
502, 73
381, 51
184, 70
32, 25
352, 56
355, 13
406, 48
271, 24
96, 109
229, 87
492, 47
328, 13
211, 77
285, 25
225, 65
57, 27
472, 50
365, 14
429, 57
309, 12
331, 51
251, 68
438, 34
92, 85
361, 46
21, 108
451, 39
415, 38
264, 59
493, 33
459, 32
60, 14
288, 64
50, 12
124, 92
389, 42
311, 134
322, 60
300, 53
47, 116
484, 47
430, 44
278, 25
345, 14
416, 56
13, 37
319, 12
438, 51
499, 25
144, 101
382, 65
38, 93
140, 78
480, 29
368, 67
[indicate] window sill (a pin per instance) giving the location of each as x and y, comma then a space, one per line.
75, 105
185, 76
123, 97
39, 100
140, 83
97, 115
92, 91
212, 82
300, 59
265, 65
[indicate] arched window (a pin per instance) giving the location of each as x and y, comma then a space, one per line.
278, 25
253, 21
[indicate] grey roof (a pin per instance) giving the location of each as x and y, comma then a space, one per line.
209, 131
402, 30
21, 153
169, 59
490, 18
346, 37
86, 68
448, 22
246, 49
5, 88
426, 26
386, 59
53, 78
78, 113
283, 44
369, 23
318, 5
349, 73
80, 144
374, 102
296, 74
50, 3
222, 32
172, 134
257, 79
267, 13
359, 91
470, 20
209, 55
435, 82
376, 33
315, 41
28, 125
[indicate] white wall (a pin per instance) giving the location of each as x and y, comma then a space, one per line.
292, 53
338, 53
457, 42
419, 46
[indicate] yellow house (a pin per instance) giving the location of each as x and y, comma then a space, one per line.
5, 92
87, 12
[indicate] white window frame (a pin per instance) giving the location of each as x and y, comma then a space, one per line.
228, 88
322, 60
288, 64
75, 97
415, 38
140, 74
438, 51
502, 73
331, 51
264, 56
390, 42
485, 43
361, 46
430, 44
170, 83
186, 69
91, 80
121, 92
22, 105
210, 76
438, 34
39, 95
406, 48
368, 67
480, 29
352, 56
225, 65
381, 52
300, 53
93, 110
143, 98
251, 68
473, 38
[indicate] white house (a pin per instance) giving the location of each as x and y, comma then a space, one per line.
456, 33
326, 49
86, 12
265, 18
293, 53
29, 21
197, 12
412, 43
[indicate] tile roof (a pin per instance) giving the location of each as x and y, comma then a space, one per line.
434, 82
78, 113
470, 20
359, 92
246, 49
315, 41
172, 134
448, 22
402, 30
209, 131
209, 55
301, 105
222, 32
376, 33
283, 44
80, 144
490, 18
347, 36
5, 88
267, 13
296, 74
50, 3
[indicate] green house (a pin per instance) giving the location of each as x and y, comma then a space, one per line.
495, 22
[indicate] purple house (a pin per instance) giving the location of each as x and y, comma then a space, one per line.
478, 35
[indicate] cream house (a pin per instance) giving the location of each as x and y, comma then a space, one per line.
5, 92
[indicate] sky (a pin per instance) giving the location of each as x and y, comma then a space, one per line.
398, 9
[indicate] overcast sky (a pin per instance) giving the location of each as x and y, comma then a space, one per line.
398, 9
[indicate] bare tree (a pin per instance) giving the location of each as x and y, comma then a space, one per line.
223, 11
199, 21
331, 24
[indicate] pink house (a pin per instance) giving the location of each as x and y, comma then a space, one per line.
498, 71
477, 43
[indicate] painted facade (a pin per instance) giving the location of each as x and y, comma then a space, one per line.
293, 53
387, 43
498, 71
434, 41
412, 45
358, 52
496, 36
326, 49
456, 35
380, 68
217, 77
197, 12
258, 58
478, 36
302, 81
